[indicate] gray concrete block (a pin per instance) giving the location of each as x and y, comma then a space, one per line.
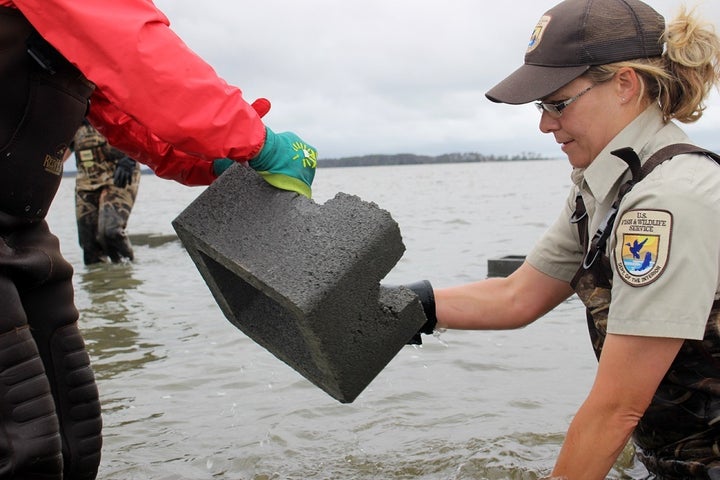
303, 279
504, 266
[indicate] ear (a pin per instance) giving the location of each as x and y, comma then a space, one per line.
628, 84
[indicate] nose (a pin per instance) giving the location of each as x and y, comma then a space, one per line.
548, 123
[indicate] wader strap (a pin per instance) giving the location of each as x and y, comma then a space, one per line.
597, 244
39, 123
670, 151
628, 155
580, 212
597, 269
580, 218
592, 283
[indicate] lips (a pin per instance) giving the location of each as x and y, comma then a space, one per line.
564, 145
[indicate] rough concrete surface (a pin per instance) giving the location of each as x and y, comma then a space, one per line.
303, 279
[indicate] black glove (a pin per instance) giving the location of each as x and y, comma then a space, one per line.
423, 289
124, 169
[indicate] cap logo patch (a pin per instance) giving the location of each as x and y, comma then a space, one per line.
538, 32
643, 245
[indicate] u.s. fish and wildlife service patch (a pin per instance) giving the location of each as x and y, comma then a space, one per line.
643, 245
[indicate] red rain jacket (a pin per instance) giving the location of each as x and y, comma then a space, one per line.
155, 99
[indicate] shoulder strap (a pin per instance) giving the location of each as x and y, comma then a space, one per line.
666, 153
597, 243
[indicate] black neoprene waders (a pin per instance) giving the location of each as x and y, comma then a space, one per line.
50, 422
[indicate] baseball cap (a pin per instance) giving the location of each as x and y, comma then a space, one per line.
575, 35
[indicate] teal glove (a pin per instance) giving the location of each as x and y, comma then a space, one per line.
286, 162
220, 165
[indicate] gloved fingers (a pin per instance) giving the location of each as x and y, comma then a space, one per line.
261, 106
121, 180
287, 162
286, 182
123, 174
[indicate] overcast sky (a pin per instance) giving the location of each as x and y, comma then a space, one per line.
356, 77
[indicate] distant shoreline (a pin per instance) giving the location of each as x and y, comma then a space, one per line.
411, 159
401, 159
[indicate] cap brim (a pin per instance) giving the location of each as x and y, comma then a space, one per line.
533, 82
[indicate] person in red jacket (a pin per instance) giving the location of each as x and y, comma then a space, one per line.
120, 65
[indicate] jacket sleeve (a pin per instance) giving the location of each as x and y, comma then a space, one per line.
140, 144
149, 79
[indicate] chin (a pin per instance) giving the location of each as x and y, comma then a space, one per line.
578, 161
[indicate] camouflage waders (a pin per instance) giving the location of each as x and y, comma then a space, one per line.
678, 437
50, 423
101, 208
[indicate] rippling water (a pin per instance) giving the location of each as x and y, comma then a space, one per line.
188, 396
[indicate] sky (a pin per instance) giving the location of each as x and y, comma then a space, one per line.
358, 77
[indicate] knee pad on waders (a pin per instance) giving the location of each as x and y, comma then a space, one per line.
42, 279
30, 442
77, 403
52, 103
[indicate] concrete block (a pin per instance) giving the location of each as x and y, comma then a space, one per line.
504, 266
303, 279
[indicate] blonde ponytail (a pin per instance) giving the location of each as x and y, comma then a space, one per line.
692, 58
682, 78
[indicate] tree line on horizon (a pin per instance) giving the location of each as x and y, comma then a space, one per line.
398, 159
412, 159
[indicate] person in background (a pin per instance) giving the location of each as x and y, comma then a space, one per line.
120, 65
106, 186
640, 246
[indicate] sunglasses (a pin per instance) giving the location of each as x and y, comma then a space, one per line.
555, 109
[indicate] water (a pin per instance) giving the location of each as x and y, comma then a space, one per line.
187, 396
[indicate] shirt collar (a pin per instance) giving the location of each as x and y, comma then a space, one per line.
604, 174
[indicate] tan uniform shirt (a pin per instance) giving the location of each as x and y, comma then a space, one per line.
665, 245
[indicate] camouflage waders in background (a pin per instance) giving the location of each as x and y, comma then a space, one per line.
102, 209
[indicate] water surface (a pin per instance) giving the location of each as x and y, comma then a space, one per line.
187, 396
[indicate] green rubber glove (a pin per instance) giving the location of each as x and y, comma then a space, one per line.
286, 162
